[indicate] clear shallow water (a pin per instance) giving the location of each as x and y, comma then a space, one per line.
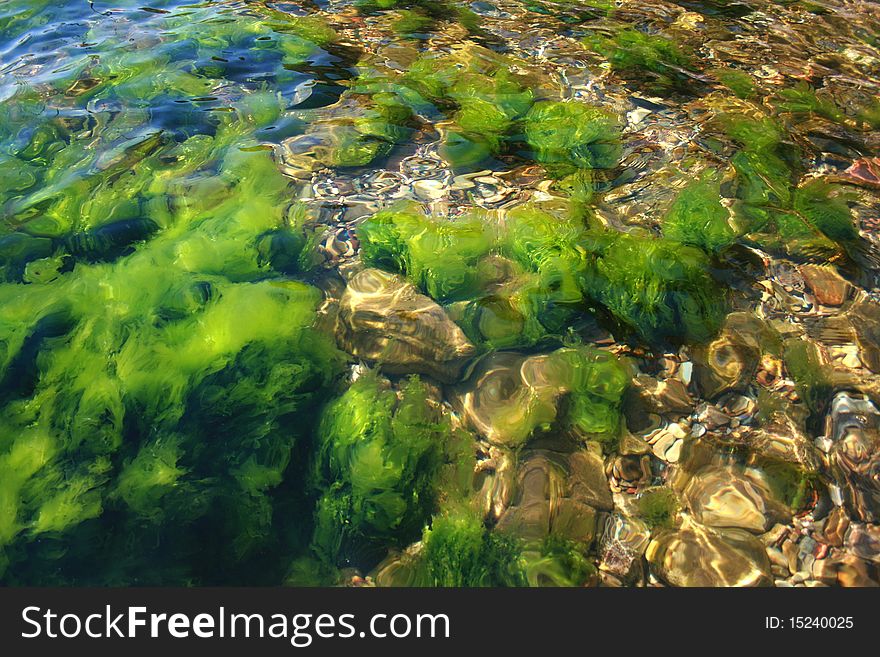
628, 252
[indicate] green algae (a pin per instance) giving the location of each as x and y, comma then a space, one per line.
597, 382
159, 365
739, 82
658, 507
698, 218
566, 136
379, 460
803, 99
632, 52
804, 365
474, 88
412, 21
657, 287
441, 257
460, 551
181, 366
807, 221
559, 562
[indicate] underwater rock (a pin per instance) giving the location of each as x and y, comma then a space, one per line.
662, 396
845, 570
865, 318
624, 541
551, 498
509, 396
587, 482
854, 427
724, 497
731, 360
505, 401
864, 541
865, 171
494, 482
828, 287
383, 318
700, 556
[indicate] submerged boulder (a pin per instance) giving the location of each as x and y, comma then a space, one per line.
557, 494
724, 497
700, 556
383, 319
510, 396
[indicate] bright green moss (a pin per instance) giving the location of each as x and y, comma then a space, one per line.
633, 53
440, 256
559, 562
657, 287
377, 462
802, 99
764, 179
658, 507
460, 551
739, 82
311, 28
807, 221
566, 136
698, 218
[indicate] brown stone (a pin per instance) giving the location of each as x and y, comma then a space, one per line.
384, 319
828, 287
835, 527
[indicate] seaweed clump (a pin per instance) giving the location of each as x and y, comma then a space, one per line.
379, 461
803, 99
459, 551
162, 392
632, 53
567, 136
698, 218
808, 221
658, 507
526, 278
657, 287
559, 562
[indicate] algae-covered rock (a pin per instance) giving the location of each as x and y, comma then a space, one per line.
383, 319
659, 288
649, 57
460, 551
697, 217
439, 256
510, 396
566, 136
